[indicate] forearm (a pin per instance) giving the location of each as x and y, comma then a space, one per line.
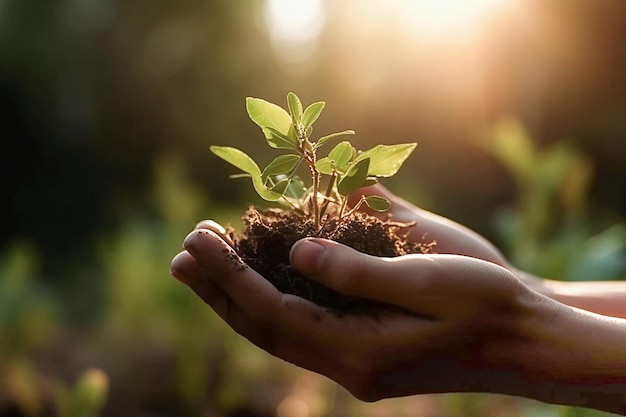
574, 357
602, 297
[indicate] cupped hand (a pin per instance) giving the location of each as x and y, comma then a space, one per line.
450, 237
453, 322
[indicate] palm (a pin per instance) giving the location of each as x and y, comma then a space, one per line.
450, 237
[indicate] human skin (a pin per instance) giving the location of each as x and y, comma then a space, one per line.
602, 297
457, 322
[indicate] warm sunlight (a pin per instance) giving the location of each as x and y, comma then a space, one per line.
294, 27
447, 18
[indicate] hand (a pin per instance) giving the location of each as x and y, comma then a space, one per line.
602, 297
453, 322
450, 237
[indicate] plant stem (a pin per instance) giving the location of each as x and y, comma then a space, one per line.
329, 191
344, 203
308, 152
355, 208
316, 185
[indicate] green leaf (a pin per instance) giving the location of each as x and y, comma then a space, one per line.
370, 181
273, 120
242, 161
237, 176
342, 155
377, 203
324, 165
295, 107
279, 141
386, 160
282, 164
281, 186
354, 178
296, 188
312, 113
237, 158
325, 139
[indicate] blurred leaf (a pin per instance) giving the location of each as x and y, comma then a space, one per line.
576, 184
89, 394
21, 381
510, 143
386, 160
296, 188
603, 256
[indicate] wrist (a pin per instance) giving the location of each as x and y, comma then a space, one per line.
570, 356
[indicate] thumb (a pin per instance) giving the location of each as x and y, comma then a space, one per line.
433, 285
353, 273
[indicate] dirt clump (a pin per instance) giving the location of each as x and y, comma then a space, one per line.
268, 236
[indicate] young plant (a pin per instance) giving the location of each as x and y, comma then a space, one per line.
341, 173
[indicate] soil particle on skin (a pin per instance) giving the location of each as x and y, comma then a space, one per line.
268, 236
234, 260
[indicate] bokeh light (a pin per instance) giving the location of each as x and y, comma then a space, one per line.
440, 20
294, 27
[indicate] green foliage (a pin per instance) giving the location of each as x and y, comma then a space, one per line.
347, 169
550, 231
87, 397
28, 314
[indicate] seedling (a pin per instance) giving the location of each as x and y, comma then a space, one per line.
317, 208
343, 171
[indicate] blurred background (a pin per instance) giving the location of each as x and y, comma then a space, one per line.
108, 108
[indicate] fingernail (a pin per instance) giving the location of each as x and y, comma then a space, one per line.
178, 274
211, 225
308, 254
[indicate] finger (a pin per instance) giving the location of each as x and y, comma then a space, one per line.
185, 268
295, 318
431, 285
210, 225
357, 343
217, 228
267, 336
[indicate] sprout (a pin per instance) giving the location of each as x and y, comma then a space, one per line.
344, 170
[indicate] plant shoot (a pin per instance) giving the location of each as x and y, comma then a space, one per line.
333, 178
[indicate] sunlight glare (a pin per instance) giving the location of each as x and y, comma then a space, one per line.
294, 27
447, 18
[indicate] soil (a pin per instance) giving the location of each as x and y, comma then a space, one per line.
267, 237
